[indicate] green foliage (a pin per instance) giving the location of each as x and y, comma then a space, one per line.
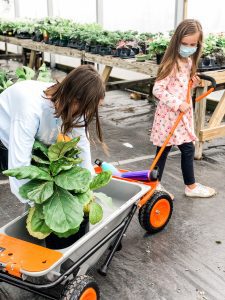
61, 191
158, 45
44, 74
5, 81
209, 45
24, 73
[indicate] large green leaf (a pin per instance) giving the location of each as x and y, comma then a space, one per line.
58, 150
40, 160
73, 152
38, 223
29, 186
40, 146
96, 213
85, 198
31, 172
36, 190
62, 211
60, 165
101, 180
77, 179
75, 161
36, 234
68, 233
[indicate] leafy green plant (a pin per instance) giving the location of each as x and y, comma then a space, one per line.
158, 45
60, 190
5, 81
209, 46
24, 73
44, 74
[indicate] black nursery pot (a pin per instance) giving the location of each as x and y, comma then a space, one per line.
159, 58
54, 242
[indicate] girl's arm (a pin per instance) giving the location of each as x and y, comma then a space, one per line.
21, 140
84, 145
160, 91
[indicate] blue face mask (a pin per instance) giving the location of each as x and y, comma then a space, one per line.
185, 51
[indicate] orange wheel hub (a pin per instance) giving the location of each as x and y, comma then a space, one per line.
160, 213
89, 294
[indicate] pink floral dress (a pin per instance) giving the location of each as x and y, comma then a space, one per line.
171, 92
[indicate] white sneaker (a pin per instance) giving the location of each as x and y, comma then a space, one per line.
200, 191
162, 189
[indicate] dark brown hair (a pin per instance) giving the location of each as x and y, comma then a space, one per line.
171, 56
77, 98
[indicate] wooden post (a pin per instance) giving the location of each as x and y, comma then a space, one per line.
218, 113
33, 55
106, 73
200, 109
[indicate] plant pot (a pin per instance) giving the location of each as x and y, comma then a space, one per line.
37, 36
159, 58
141, 57
105, 50
206, 61
87, 48
54, 242
95, 49
23, 35
136, 50
63, 43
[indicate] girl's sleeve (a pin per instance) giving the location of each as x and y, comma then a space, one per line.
160, 91
21, 140
84, 146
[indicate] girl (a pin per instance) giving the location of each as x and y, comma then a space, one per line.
33, 109
177, 67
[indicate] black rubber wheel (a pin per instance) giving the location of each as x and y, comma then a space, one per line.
156, 213
82, 287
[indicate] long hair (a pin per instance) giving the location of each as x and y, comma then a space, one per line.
77, 98
171, 56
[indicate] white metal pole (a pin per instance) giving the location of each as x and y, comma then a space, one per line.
99, 16
180, 11
99, 12
50, 14
16, 8
17, 15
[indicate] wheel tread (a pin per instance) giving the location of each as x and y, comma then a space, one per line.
145, 210
75, 287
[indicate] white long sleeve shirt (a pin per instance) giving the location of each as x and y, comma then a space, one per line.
25, 115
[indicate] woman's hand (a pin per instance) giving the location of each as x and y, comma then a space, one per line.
184, 107
196, 81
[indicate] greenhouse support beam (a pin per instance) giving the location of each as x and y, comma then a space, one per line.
180, 11
50, 14
17, 15
16, 8
99, 12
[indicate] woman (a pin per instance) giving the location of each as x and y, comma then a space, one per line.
32, 110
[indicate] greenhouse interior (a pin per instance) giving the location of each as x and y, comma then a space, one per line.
112, 150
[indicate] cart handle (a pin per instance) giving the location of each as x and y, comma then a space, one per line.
213, 82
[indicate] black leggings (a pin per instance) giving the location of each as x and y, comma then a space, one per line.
187, 161
3, 157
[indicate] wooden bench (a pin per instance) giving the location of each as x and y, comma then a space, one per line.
215, 128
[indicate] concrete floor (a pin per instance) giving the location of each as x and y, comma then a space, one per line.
186, 261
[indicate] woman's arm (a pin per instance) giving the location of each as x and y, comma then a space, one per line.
21, 140
84, 145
